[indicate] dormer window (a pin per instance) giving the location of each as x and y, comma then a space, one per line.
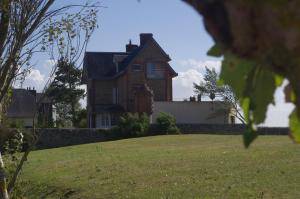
154, 72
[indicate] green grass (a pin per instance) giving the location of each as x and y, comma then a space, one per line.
179, 166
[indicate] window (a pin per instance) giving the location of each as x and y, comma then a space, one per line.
113, 120
154, 72
103, 120
136, 67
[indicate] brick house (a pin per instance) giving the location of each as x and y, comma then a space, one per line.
119, 82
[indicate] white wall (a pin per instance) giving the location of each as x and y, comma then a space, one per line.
194, 112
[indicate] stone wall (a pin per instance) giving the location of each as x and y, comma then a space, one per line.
52, 138
228, 129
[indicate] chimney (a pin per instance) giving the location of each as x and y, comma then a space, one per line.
131, 47
32, 91
144, 37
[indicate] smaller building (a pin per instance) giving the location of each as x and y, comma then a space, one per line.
27, 105
193, 112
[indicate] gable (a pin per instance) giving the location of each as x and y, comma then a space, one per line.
153, 51
110, 65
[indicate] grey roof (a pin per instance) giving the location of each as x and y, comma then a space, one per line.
23, 104
100, 65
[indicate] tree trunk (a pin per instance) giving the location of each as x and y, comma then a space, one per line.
13, 181
3, 186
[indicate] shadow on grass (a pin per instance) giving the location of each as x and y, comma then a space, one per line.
26, 190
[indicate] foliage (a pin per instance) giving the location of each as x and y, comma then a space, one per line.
65, 91
63, 118
81, 119
44, 121
26, 26
254, 87
133, 125
256, 58
166, 123
68, 37
211, 88
14, 142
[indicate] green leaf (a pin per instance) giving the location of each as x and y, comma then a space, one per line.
235, 72
245, 103
249, 136
294, 124
262, 93
278, 80
215, 51
248, 79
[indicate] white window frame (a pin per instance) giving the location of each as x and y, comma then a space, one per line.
103, 120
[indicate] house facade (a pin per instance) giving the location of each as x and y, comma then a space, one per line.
130, 81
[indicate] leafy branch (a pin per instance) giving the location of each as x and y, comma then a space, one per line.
259, 41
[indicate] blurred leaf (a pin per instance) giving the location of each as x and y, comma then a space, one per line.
294, 124
278, 80
289, 93
246, 108
215, 51
235, 72
249, 136
262, 93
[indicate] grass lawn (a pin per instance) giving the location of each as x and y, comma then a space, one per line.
160, 167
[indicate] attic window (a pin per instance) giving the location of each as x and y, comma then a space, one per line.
154, 72
136, 67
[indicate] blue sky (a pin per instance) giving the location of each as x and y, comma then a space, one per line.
175, 26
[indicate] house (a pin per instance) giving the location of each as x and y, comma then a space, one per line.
27, 105
130, 81
196, 112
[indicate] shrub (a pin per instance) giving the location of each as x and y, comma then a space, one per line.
133, 125
166, 123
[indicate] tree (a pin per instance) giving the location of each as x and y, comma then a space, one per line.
64, 90
81, 119
211, 88
256, 58
26, 27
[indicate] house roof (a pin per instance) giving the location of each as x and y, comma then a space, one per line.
23, 104
100, 65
